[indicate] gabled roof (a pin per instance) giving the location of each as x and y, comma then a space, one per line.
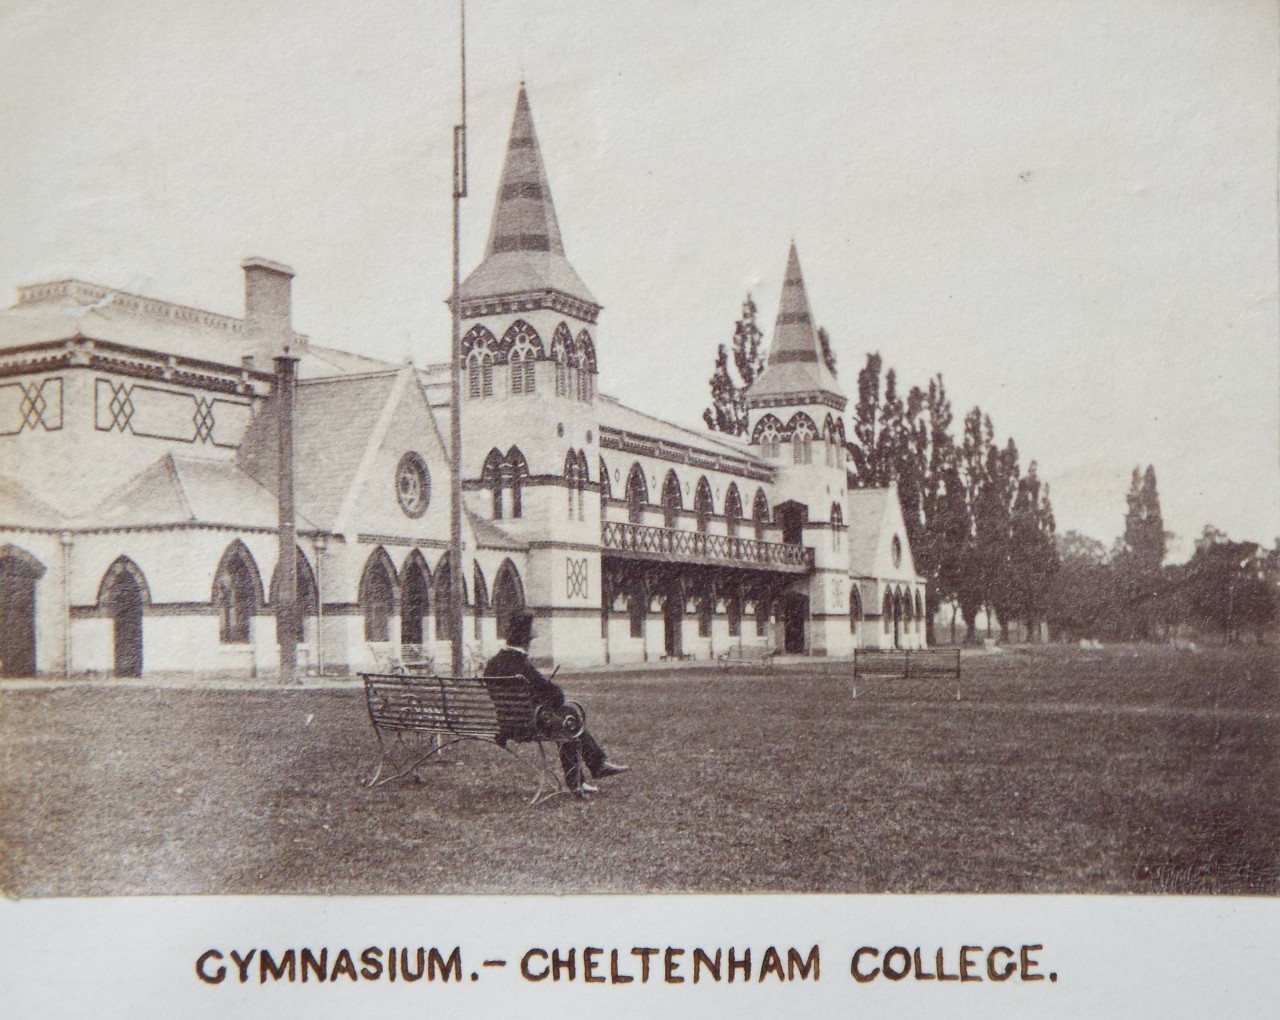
489, 536
796, 368
525, 254
875, 516
334, 419
19, 508
189, 490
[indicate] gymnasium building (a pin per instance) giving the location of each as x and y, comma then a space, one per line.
139, 471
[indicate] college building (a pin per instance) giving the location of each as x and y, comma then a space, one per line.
140, 469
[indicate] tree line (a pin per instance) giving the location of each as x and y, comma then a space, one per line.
982, 529
1226, 590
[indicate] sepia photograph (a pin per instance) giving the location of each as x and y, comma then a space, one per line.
686, 447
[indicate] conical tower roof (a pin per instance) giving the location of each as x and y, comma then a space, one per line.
795, 372
525, 254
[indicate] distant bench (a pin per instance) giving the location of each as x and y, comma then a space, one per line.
906, 664
416, 717
761, 656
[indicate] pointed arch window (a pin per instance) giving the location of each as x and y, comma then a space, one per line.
572, 484
479, 374
378, 596
523, 378
770, 441
802, 443
561, 347
767, 434
606, 490
732, 508
637, 495
671, 501
491, 476
517, 469
237, 594
703, 505
306, 601
415, 600
443, 586
837, 522
760, 513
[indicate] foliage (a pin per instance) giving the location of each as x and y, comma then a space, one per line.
828, 355
981, 532
728, 410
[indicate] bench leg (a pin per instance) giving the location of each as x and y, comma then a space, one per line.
408, 760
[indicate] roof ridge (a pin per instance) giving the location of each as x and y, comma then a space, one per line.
182, 488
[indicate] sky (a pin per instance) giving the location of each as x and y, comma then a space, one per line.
1067, 209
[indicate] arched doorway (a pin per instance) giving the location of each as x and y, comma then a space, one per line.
795, 618
508, 596
19, 571
792, 516
673, 620
855, 612
122, 594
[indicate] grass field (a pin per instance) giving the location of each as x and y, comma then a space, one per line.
1059, 771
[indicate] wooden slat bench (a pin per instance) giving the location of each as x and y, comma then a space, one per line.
416, 717
761, 656
906, 664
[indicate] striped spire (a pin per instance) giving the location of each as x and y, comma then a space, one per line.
795, 372
794, 338
524, 259
524, 218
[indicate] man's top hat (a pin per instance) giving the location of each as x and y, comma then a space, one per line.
520, 629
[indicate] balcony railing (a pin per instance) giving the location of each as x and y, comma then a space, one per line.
645, 542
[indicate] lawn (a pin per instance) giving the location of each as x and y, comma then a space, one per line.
1058, 771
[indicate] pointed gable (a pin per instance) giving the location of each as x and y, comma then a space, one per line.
333, 421
795, 372
525, 257
875, 519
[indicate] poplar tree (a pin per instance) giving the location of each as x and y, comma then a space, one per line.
728, 410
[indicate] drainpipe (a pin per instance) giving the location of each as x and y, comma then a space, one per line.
287, 600
66, 539
321, 543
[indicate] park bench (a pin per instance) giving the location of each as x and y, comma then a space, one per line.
906, 664
415, 718
761, 656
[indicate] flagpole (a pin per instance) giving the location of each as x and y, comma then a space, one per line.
456, 572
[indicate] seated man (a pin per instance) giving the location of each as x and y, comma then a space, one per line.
513, 660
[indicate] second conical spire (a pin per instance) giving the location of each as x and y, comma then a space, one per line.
796, 371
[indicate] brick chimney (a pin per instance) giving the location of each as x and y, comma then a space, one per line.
267, 303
